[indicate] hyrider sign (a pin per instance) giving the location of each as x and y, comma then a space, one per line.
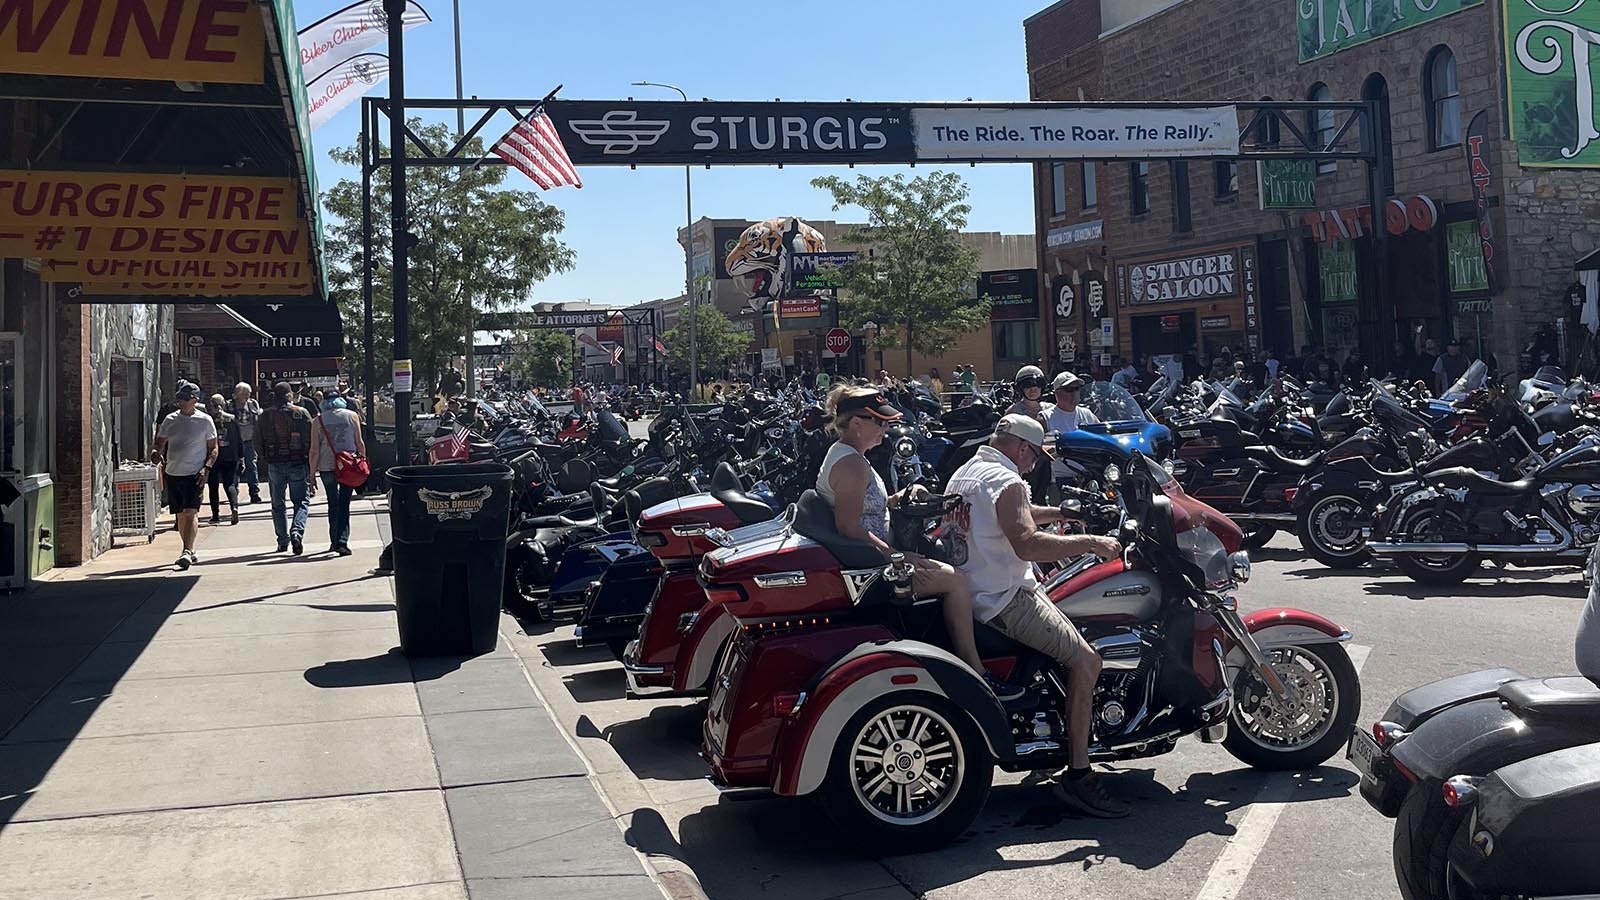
664, 132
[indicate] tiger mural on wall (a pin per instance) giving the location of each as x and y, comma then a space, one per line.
760, 258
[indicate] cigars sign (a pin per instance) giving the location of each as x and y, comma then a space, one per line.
117, 227
158, 40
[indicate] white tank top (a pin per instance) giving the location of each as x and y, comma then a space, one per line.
874, 506
981, 550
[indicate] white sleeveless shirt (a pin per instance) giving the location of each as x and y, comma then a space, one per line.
874, 506
981, 550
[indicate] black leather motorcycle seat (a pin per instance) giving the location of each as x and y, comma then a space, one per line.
1472, 480
573, 521
813, 518
1275, 460
726, 478
1564, 697
749, 509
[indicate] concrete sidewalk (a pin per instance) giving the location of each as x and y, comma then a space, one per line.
247, 729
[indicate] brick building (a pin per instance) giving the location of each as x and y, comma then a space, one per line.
1165, 222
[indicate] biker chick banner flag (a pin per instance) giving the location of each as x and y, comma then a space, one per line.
338, 37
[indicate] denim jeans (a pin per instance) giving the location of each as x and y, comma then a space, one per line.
291, 477
338, 509
247, 468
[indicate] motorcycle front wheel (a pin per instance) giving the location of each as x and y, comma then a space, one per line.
1257, 536
1307, 727
1330, 530
1427, 525
909, 773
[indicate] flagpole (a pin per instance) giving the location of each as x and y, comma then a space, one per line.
399, 237
531, 113
470, 362
688, 254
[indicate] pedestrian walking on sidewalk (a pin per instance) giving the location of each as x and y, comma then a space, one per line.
225, 471
283, 431
245, 409
338, 431
186, 448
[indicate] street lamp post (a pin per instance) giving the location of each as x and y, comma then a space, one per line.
688, 254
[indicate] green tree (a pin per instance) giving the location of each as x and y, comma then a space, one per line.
479, 247
719, 345
544, 358
920, 274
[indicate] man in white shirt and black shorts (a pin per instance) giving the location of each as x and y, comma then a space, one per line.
186, 446
997, 540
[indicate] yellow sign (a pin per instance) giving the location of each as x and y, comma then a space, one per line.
117, 271
193, 289
78, 242
158, 40
46, 198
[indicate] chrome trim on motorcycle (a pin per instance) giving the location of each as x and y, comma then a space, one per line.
858, 581
1119, 651
1066, 572
1235, 627
792, 578
1562, 545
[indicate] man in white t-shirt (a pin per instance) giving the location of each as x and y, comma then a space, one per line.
996, 541
1066, 415
186, 448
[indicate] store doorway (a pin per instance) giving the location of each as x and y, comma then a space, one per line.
1168, 334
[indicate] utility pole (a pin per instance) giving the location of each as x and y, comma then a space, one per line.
470, 357
688, 255
400, 238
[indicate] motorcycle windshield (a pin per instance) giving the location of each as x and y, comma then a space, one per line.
1470, 380
1397, 416
1111, 403
611, 428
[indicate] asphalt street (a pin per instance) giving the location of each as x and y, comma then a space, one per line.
1203, 826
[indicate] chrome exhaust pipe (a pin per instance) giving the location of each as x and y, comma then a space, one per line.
1391, 549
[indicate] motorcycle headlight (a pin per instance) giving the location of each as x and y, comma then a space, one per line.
1112, 474
905, 448
1239, 567
1171, 469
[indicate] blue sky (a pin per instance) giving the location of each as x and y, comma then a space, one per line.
622, 223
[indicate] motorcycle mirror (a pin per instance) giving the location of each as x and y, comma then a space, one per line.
1546, 439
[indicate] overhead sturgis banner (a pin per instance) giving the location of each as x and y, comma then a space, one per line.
158, 40
220, 235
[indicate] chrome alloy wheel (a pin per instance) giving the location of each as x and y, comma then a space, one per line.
1299, 719
1336, 525
906, 765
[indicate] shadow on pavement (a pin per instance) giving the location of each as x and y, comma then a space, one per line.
292, 591
601, 684
392, 667
46, 632
640, 742
1506, 586
772, 834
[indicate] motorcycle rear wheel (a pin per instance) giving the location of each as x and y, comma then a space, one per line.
1330, 530
1444, 569
1422, 834
940, 796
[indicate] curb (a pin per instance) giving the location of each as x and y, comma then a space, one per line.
620, 794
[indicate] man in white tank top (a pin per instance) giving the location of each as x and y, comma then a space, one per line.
997, 540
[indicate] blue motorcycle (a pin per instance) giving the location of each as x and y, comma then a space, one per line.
1083, 454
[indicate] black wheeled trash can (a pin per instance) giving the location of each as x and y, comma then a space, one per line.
450, 524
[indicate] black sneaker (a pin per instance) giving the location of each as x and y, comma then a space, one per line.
342, 550
282, 547
296, 545
1005, 690
1087, 796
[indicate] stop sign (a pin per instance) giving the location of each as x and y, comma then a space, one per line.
837, 341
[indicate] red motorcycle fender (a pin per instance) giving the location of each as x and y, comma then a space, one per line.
697, 655
806, 744
1285, 627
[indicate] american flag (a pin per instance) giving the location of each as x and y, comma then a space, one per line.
660, 347
616, 354
452, 445
533, 146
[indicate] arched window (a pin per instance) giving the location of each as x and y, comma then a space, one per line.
1443, 93
1319, 125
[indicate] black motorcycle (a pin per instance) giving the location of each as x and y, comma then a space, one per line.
1438, 532
1488, 776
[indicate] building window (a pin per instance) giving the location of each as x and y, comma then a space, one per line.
1091, 190
1444, 100
1227, 179
1375, 88
1180, 197
1058, 189
1016, 344
1139, 188
1319, 125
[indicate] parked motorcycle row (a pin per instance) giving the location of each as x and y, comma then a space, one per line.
700, 557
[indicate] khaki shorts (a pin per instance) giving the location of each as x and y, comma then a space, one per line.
1030, 618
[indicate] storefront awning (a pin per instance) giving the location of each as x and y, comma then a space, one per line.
1588, 263
165, 163
293, 329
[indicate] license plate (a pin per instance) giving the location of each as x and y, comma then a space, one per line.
1363, 752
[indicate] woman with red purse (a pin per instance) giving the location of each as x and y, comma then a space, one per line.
339, 456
